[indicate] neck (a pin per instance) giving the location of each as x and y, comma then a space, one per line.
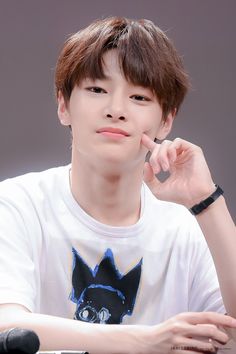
111, 197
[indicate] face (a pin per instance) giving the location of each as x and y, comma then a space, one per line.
109, 116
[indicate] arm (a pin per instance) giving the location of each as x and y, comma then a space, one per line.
57, 333
190, 182
220, 233
217, 224
187, 329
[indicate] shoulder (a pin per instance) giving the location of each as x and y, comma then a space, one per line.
33, 185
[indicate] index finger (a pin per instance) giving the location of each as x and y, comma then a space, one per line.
148, 142
212, 318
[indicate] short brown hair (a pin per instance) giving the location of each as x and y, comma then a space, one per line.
146, 56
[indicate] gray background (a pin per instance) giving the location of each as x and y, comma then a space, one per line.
31, 35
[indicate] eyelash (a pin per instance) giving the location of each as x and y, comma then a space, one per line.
96, 89
143, 98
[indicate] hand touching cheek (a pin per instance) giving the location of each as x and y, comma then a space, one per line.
189, 181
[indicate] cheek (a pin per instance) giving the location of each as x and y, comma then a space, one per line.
87, 112
151, 122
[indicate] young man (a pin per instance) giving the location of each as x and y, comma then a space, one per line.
90, 244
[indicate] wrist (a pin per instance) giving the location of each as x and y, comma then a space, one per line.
206, 202
122, 339
201, 195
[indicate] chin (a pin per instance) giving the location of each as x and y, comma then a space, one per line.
119, 162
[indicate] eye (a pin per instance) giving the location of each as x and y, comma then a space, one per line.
87, 314
104, 315
140, 98
96, 89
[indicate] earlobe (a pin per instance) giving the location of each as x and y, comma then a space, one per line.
166, 126
62, 110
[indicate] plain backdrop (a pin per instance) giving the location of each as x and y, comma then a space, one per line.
31, 36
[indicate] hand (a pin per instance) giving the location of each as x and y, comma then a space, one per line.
189, 181
196, 330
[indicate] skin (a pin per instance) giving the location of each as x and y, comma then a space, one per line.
115, 169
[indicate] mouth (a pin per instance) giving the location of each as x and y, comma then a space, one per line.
113, 132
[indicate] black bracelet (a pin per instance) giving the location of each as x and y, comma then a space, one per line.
198, 208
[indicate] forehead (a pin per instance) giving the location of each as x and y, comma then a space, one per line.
112, 68
110, 64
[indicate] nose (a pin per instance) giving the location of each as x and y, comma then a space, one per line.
117, 117
115, 108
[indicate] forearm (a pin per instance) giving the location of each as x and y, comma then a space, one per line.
220, 233
60, 334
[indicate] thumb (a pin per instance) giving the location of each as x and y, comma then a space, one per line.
149, 178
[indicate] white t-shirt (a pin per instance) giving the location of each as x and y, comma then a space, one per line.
56, 259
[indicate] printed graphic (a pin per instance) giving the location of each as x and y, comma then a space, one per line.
103, 295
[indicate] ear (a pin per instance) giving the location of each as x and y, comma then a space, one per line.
62, 110
166, 126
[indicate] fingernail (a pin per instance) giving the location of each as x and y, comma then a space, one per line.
155, 170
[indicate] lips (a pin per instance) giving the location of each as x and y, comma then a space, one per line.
113, 130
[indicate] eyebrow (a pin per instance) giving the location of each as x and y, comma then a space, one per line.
105, 78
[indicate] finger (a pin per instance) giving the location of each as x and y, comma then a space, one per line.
172, 153
218, 319
213, 332
209, 331
196, 351
229, 331
160, 156
150, 179
176, 351
190, 350
181, 145
204, 332
196, 345
148, 174
148, 142
154, 160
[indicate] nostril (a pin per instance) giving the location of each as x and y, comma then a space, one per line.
108, 115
